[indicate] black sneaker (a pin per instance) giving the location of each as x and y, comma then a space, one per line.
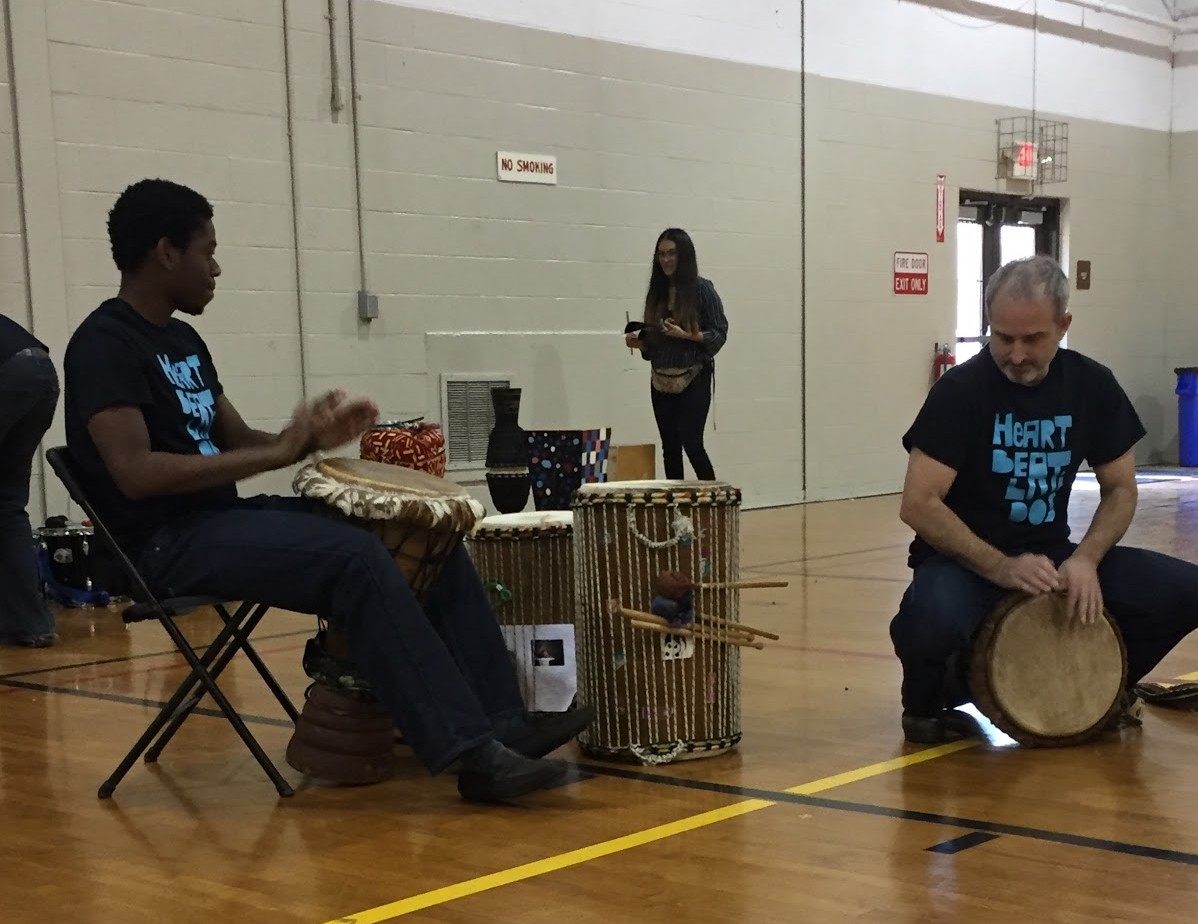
540, 734
496, 774
1182, 695
44, 640
950, 725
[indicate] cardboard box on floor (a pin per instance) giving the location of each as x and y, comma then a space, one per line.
635, 462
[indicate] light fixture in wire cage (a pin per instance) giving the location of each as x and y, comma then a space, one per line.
1033, 150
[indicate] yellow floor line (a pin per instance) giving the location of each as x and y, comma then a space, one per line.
864, 773
636, 839
550, 864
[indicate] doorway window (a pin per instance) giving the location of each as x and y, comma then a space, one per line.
993, 229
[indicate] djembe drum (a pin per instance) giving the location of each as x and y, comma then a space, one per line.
527, 560
658, 696
412, 444
343, 734
1043, 678
420, 518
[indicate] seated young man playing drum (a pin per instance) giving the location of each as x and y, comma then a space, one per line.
161, 448
993, 455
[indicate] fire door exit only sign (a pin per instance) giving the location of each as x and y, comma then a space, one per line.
910, 273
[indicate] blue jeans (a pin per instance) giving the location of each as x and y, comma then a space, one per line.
442, 669
1152, 597
28, 396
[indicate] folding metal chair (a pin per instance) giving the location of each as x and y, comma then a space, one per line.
234, 636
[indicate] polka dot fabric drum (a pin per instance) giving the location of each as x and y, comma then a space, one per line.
560, 461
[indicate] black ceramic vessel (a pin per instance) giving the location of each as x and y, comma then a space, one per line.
507, 453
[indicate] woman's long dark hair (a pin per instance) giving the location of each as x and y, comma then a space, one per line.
685, 280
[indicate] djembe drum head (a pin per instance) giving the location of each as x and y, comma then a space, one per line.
541, 521
1043, 678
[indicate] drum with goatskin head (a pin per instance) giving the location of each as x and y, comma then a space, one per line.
421, 519
1042, 677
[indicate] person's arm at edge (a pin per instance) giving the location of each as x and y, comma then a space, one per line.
121, 438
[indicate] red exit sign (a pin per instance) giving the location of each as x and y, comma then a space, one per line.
910, 273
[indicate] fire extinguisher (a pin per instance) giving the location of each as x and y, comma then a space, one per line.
944, 361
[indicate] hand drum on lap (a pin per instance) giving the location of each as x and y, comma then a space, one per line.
420, 518
1042, 677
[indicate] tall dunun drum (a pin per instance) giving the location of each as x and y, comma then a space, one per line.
658, 697
1041, 677
527, 561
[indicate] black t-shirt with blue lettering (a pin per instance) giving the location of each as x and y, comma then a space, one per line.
118, 358
1016, 449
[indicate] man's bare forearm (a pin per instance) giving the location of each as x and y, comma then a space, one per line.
1111, 519
258, 438
156, 474
947, 533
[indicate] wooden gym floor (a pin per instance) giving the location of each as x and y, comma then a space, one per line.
822, 815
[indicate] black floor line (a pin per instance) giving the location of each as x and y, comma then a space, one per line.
964, 842
862, 808
139, 657
135, 701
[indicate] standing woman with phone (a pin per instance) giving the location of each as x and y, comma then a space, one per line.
684, 327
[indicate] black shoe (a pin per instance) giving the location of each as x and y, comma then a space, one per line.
493, 773
950, 725
538, 735
1182, 695
45, 640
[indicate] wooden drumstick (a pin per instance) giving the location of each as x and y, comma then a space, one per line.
741, 585
734, 628
663, 626
740, 626
707, 636
618, 610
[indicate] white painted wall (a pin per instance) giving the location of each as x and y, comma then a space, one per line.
892, 43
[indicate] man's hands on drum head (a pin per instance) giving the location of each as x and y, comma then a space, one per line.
1077, 578
1080, 579
1031, 573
